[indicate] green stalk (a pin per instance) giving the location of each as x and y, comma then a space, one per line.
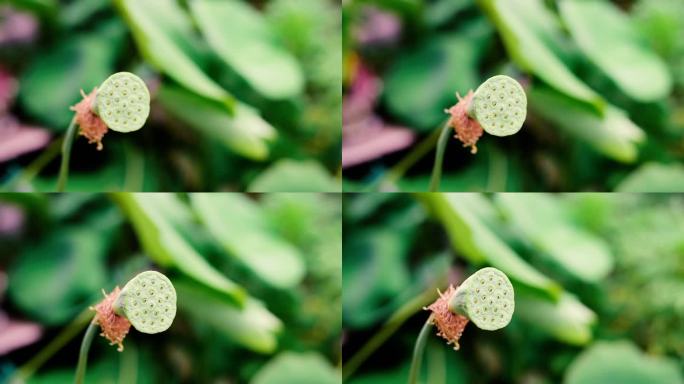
66, 155
418, 351
439, 157
83, 355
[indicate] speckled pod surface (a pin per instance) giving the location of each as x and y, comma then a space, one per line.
148, 301
500, 106
123, 102
486, 298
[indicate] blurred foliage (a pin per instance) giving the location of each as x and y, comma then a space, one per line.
238, 87
258, 279
598, 281
604, 80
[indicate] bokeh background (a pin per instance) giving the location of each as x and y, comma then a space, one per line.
598, 279
258, 279
604, 81
245, 94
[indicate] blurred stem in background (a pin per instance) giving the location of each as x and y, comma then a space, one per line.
419, 349
30, 172
74, 328
439, 156
66, 155
395, 321
418, 152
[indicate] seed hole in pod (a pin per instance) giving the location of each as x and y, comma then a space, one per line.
144, 285
144, 301
490, 289
505, 305
505, 293
477, 290
166, 310
137, 293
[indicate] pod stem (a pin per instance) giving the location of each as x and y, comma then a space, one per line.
418, 351
66, 155
439, 157
83, 354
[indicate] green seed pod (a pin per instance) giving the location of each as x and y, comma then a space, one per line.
123, 102
500, 106
148, 301
486, 298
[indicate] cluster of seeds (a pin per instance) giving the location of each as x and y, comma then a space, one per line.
500, 106
486, 298
123, 102
149, 302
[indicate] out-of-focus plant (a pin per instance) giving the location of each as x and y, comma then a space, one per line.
597, 279
238, 88
603, 82
257, 280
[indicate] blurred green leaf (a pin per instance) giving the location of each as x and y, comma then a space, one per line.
55, 278
423, 82
654, 177
540, 219
251, 326
526, 29
243, 131
568, 319
374, 273
240, 226
480, 245
613, 135
622, 362
608, 38
79, 12
164, 34
297, 368
52, 83
149, 214
244, 40
294, 176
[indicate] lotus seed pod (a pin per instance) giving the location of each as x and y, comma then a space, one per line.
148, 301
486, 298
123, 102
500, 106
